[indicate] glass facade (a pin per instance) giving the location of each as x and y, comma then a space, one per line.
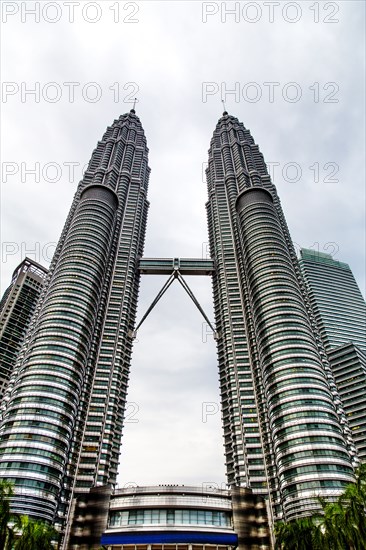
169, 516
179, 514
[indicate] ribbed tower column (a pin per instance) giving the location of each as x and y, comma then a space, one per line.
39, 422
309, 447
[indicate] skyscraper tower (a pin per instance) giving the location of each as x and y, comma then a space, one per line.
16, 309
61, 432
284, 427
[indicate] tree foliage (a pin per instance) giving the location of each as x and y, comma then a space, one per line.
341, 526
6, 492
35, 535
20, 532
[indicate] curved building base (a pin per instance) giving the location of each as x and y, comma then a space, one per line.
170, 517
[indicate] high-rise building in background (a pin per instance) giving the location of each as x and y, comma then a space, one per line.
338, 304
285, 431
340, 312
349, 367
16, 309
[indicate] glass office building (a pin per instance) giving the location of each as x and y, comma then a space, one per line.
337, 301
340, 312
16, 309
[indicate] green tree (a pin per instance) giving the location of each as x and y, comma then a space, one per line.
6, 534
353, 501
299, 534
342, 526
34, 535
333, 526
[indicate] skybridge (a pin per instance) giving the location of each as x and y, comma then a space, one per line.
186, 266
175, 268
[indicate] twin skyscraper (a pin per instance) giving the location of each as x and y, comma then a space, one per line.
286, 435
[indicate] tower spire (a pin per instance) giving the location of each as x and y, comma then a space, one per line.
134, 105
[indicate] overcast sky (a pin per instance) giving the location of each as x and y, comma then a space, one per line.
292, 72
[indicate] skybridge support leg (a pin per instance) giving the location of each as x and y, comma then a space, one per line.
176, 275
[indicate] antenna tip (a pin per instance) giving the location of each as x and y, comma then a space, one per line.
134, 105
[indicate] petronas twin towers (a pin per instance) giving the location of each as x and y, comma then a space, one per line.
285, 432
